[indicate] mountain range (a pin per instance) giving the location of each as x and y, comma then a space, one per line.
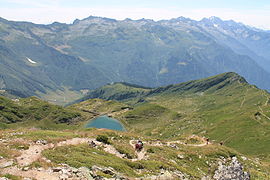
59, 59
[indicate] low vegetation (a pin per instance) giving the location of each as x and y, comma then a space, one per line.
225, 109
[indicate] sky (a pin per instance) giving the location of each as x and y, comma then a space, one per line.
251, 12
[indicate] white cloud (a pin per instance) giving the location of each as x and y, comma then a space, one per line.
257, 18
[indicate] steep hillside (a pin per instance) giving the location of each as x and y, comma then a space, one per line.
30, 67
32, 112
225, 108
152, 53
58, 61
241, 38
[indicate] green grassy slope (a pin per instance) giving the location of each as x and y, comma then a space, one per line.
117, 91
224, 107
33, 112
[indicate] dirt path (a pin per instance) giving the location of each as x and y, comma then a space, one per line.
262, 113
110, 149
35, 174
194, 145
142, 154
159, 143
34, 152
244, 99
31, 155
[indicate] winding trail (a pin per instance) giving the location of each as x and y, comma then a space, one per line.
34, 153
262, 113
205, 143
31, 155
242, 103
110, 149
142, 154
265, 104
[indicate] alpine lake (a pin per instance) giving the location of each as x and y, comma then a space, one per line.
106, 123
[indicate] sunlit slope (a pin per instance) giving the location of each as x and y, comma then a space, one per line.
33, 112
225, 108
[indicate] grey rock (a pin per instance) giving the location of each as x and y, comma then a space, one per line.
41, 142
85, 173
180, 156
63, 177
25, 169
57, 169
40, 169
3, 178
232, 171
6, 164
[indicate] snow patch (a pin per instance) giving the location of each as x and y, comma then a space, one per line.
31, 61
216, 25
163, 71
182, 63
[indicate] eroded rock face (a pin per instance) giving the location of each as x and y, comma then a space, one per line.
83, 173
66, 172
167, 175
232, 171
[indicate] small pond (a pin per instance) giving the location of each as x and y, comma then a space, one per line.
105, 122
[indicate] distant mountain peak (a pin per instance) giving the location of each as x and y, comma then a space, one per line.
215, 19
181, 19
94, 18
145, 20
212, 20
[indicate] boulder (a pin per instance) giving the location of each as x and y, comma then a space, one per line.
41, 142
6, 164
234, 170
85, 173
3, 178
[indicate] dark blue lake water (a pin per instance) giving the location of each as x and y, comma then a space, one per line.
106, 122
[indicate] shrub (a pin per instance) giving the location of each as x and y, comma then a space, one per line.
103, 138
150, 150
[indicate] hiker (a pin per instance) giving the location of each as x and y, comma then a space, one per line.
207, 140
221, 143
139, 145
92, 144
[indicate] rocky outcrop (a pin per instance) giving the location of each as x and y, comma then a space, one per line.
5, 163
167, 175
70, 173
234, 170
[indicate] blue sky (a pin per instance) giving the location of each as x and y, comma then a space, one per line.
251, 12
